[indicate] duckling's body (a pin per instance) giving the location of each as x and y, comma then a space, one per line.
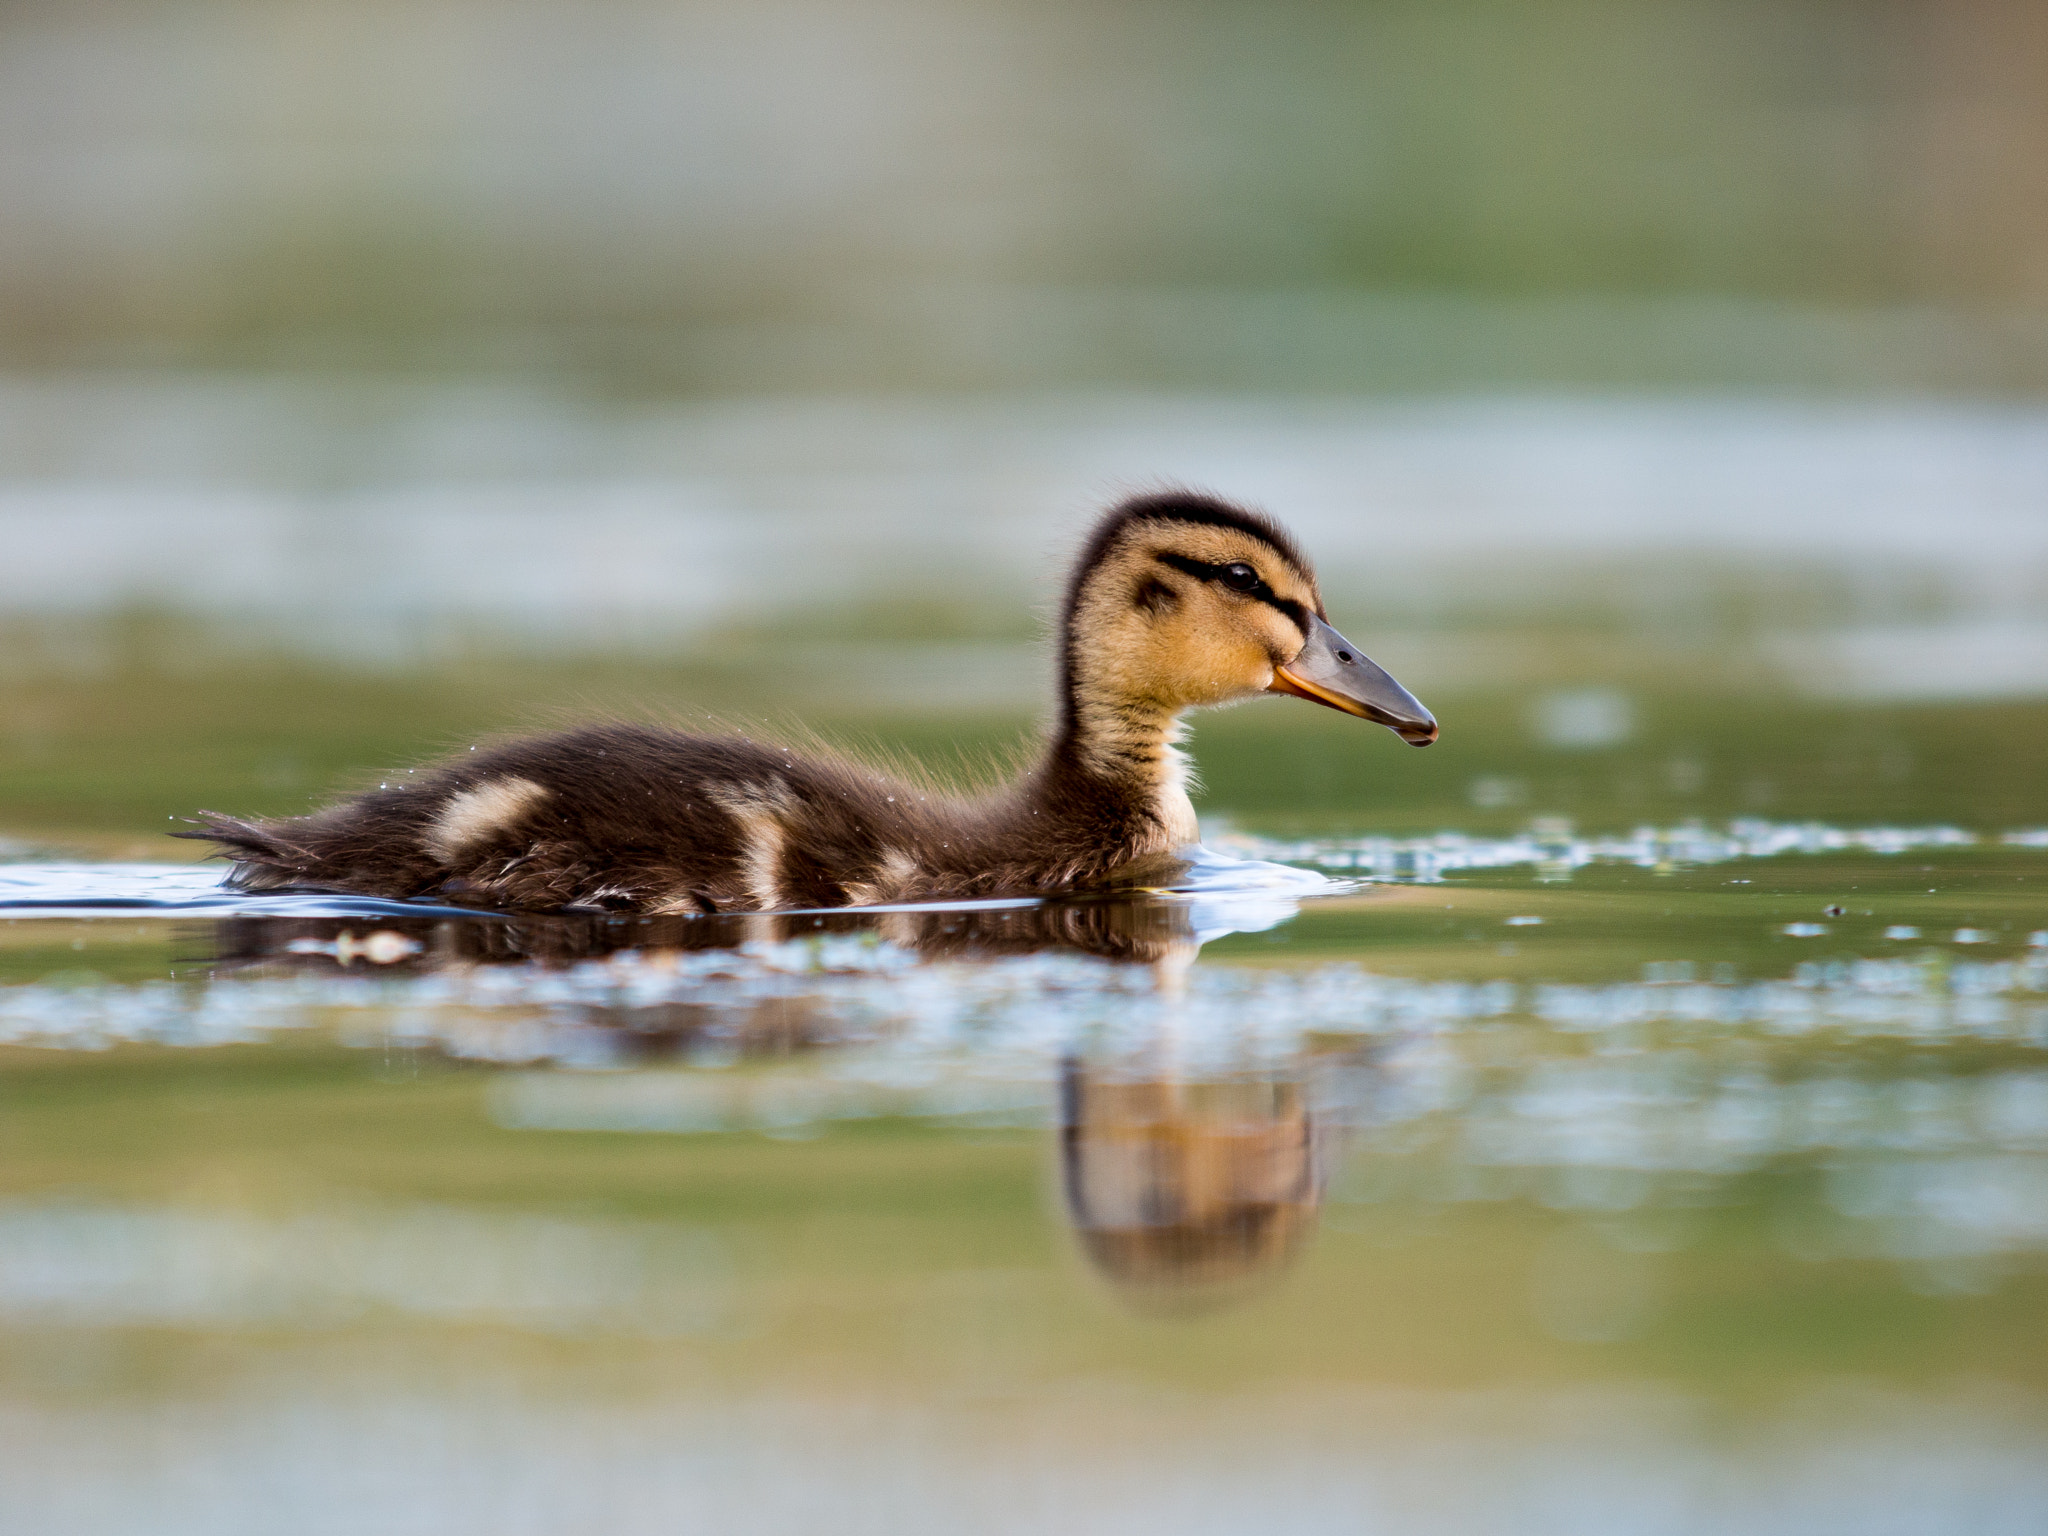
631, 817
1176, 602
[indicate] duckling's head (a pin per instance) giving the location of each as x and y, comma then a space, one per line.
1180, 601
1188, 1194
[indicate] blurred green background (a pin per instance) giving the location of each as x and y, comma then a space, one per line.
913, 193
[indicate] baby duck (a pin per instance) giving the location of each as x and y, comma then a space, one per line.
1176, 602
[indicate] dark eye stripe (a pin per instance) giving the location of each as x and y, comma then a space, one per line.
1202, 571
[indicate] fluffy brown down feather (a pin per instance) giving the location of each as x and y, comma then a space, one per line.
633, 821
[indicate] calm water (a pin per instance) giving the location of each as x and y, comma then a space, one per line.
1694, 1178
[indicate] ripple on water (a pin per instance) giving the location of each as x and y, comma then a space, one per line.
1555, 850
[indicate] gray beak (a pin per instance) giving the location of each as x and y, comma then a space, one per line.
1331, 670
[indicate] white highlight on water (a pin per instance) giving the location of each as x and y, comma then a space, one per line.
1555, 849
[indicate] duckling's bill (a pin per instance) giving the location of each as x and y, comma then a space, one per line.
1331, 670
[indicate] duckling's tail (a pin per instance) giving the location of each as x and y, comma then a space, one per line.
264, 860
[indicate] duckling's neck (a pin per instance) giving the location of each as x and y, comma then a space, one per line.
1127, 751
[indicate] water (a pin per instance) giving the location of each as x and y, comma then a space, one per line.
1663, 1180
1629, 1115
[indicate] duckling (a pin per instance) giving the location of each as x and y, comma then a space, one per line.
1177, 601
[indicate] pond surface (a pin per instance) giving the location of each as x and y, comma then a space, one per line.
1678, 1167
1690, 1178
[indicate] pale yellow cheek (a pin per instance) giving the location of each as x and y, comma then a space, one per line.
1225, 673
1198, 658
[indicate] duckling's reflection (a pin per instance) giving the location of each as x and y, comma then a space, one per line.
1188, 1193
1184, 1191
1135, 930
1141, 929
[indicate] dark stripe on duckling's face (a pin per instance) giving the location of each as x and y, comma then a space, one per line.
1232, 577
1156, 597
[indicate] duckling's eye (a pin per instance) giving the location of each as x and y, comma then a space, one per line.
1239, 577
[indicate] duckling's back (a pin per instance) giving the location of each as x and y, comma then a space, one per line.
610, 817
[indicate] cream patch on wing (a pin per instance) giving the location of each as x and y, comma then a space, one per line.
759, 809
683, 903
892, 876
475, 815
